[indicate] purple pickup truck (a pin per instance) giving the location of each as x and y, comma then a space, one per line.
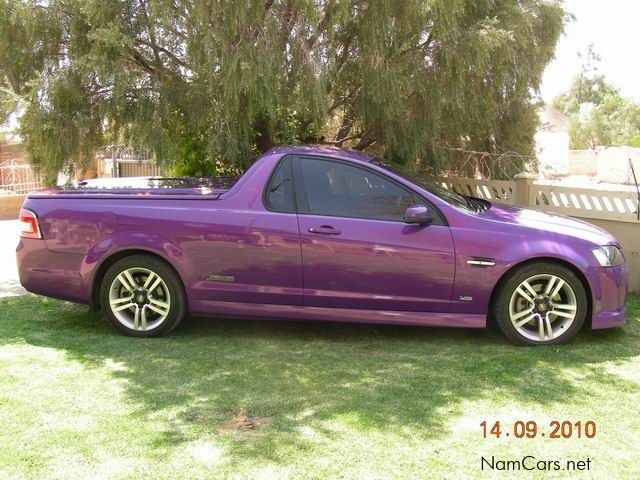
319, 233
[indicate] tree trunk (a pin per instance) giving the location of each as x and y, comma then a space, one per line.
345, 128
263, 135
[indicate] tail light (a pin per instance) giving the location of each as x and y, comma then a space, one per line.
29, 224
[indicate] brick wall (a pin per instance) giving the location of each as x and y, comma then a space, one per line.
10, 206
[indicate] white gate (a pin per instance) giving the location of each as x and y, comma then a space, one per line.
18, 178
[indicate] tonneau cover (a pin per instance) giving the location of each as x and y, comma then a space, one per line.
177, 188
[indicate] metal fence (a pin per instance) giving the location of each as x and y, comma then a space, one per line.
18, 178
118, 161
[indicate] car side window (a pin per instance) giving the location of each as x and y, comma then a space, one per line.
338, 189
279, 196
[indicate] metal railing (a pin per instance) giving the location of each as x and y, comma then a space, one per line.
18, 178
118, 161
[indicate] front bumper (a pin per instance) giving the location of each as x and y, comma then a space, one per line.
609, 287
612, 319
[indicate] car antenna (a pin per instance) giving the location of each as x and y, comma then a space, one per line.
635, 180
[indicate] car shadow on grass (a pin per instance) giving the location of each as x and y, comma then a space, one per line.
409, 381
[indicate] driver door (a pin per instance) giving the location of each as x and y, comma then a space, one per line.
357, 252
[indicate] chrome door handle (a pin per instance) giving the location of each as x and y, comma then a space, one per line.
325, 230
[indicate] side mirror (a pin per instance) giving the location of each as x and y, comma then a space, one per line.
418, 214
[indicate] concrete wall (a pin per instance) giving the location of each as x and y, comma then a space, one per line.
613, 164
583, 162
14, 152
552, 151
10, 206
614, 210
628, 234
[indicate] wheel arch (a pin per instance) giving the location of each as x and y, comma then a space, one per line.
581, 276
94, 300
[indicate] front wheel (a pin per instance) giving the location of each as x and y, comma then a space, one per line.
542, 303
142, 296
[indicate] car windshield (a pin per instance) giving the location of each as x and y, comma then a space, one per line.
448, 196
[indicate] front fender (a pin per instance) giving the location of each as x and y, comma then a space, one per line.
474, 285
602, 283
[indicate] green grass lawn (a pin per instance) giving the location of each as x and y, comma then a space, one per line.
78, 400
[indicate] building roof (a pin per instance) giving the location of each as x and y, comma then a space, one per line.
552, 120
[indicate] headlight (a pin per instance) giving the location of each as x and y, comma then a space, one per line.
608, 256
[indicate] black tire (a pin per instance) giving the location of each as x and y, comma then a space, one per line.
174, 296
514, 279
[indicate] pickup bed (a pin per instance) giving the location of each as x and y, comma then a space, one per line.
170, 187
318, 233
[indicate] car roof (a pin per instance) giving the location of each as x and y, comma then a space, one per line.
326, 150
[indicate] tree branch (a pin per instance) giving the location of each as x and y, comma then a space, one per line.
420, 46
153, 44
345, 128
345, 53
328, 12
342, 101
167, 52
139, 60
288, 22
13, 95
364, 143
267, 6
339, 143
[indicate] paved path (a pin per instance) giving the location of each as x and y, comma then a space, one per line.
9, 282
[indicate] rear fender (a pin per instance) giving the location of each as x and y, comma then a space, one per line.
135, 242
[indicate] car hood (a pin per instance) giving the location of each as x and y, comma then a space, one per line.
549, 222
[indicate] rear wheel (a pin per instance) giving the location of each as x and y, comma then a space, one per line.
542, 303
142, 296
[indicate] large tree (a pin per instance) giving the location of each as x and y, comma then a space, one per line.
613, 121
598, 114
216, 81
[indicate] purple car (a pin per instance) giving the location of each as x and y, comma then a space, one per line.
319, 233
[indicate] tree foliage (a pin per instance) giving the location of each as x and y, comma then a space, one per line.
598, 114
584, 91
615, 121
213, 80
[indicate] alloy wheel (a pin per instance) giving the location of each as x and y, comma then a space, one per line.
139, 299
543, 307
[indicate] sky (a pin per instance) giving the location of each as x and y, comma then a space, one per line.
613, 27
